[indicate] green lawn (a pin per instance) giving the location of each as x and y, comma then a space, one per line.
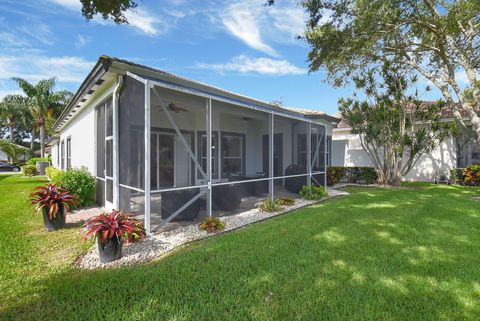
409, 254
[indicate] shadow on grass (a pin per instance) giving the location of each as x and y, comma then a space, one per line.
416, 259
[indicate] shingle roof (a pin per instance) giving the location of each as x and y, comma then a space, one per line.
447, 113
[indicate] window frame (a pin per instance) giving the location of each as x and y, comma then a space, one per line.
242, 157
62, 150
69, 152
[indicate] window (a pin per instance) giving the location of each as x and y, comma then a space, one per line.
202, 153
233, 151
63, 154
69, 152
302, 149
58, 154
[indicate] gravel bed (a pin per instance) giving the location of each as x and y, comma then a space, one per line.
160, 244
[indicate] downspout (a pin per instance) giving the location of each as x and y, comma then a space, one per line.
116, 167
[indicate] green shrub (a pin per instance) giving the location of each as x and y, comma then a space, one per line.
285, 201
29, 170
77, 181
211, 225
335, 174
357, 175
34, 160
270, 206
313, 192
52, 172
456, 175
471, 175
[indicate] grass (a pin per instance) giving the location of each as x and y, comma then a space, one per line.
379, 254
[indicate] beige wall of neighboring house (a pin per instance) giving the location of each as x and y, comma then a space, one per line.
347, 151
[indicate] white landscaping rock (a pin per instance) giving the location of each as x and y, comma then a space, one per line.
159, 244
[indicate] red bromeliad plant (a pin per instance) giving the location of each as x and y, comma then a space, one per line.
52, 198
107, 225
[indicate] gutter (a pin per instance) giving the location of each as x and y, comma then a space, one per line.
101, 67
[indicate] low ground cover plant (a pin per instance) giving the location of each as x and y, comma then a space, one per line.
78, 181
268, 205
111, 230
29, 170
313, 192
285, 201
211, 225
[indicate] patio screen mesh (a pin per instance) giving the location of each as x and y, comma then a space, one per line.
131, 118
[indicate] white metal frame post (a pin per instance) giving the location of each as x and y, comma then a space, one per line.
309, 154
325, 157
116, 167
147, 168
209, 156
270, 155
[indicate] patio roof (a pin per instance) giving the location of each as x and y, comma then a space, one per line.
106, 65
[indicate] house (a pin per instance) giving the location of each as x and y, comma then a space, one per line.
455, 152
169, 149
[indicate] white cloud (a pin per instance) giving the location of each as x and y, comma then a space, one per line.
264, 66
69, 69
69, 4
147, 22
259, 27
81, 41
138, 18
242, 23
12, 40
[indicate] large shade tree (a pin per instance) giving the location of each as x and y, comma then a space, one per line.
44, 103
439, 39
111, 9
394, 126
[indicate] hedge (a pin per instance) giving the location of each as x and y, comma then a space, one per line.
34, 160
356, 175
29, 170
466, 176
52, 172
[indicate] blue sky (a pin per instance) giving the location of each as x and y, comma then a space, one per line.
241, 46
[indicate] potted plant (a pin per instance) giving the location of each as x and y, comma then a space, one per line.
110, 230
54, 202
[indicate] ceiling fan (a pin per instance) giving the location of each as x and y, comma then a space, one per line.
176, 108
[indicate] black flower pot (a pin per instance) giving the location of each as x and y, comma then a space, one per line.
111, 250
57, 222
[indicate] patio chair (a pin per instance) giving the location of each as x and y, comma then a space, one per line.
226, 197
441, 176
173, 200
294, 184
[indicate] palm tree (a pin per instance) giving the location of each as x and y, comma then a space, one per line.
12, 110
12, 150
44, 103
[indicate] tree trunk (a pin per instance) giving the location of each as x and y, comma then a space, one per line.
32, 141
10, 128
42, 140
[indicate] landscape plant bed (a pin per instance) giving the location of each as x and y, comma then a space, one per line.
157, 245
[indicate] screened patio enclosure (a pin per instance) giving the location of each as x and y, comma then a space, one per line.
179, 154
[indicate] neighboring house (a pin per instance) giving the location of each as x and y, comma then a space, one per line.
203, 150
20, 157
3, 156
454, 152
